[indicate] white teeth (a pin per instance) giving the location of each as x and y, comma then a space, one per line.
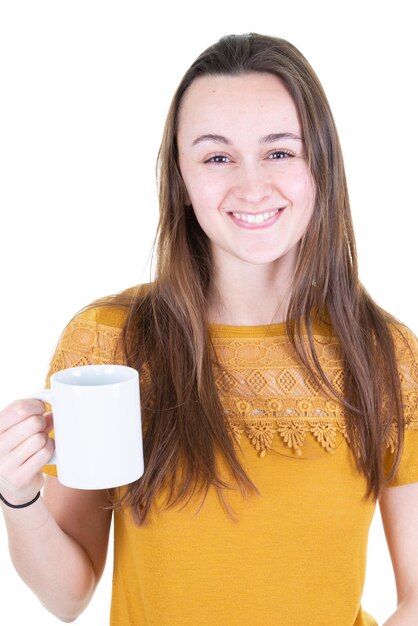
255, 219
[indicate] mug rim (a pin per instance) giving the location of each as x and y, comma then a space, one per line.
60, 376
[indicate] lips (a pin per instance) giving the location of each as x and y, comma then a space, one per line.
256, 220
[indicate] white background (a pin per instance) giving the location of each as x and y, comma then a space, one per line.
84, 89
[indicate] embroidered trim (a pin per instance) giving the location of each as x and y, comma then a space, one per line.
263, 389
293, 433
267, 395
295, 420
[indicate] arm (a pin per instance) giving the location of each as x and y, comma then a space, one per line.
399, 511
58, 544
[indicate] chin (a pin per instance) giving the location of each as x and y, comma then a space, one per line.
262, 259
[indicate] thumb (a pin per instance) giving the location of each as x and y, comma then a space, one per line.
49, 422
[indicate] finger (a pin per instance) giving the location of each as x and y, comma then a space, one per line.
37, 461
26, 449
30, 472
20, 410
18, 433
49, 422
20, 475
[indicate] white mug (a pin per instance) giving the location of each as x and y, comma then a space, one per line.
97, 426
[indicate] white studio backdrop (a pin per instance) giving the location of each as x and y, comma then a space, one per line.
84, 90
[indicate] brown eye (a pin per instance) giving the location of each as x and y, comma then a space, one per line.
218, 159
280, 154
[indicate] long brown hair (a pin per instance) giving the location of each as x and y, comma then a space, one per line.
166, 335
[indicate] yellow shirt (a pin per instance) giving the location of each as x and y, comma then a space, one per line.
295, 555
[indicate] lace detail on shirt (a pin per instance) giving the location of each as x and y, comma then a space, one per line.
85, 342
265, 392
268, 396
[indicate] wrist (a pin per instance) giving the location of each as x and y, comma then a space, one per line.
16, 503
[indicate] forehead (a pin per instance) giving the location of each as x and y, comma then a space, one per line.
255, 99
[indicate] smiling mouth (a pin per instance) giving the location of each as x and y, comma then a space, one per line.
259, 218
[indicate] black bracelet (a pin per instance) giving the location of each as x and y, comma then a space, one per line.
20, 506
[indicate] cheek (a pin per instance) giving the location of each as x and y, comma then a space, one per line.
300, 188
204, 195
205, 191
300, 179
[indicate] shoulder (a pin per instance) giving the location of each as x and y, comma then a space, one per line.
94, 334
112, 310
406, 342
104, 317
406, 350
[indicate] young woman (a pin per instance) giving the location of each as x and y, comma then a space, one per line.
280, 402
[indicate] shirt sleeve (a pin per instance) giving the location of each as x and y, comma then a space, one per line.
407, 354
92, 337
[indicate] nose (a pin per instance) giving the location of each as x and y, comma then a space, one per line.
253, 184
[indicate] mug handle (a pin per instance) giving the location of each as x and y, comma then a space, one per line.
46, 396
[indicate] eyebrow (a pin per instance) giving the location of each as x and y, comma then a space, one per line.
267, 139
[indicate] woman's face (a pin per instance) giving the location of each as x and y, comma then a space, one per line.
242, 161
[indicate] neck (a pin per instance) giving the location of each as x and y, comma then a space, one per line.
245, 294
